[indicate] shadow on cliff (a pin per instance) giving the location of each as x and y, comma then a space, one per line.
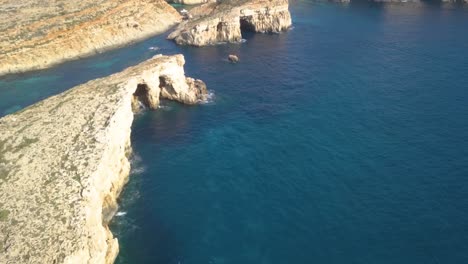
247, 34
159, 247
144, 236
248, 30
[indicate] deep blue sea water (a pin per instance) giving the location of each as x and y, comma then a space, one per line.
344, 140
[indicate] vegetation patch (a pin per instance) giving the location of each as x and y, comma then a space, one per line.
3, 150
26, 143
60, 104
3, 174
4, 215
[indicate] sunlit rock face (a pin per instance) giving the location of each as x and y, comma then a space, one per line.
64, 162
214, 23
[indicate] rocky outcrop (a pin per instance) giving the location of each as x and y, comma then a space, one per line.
213, 23
38, 34
233, 58
64, 161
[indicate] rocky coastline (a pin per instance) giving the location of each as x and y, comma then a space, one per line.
64, 161
214, 22
40, 34
37, 35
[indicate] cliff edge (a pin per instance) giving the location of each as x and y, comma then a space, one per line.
39, 34
222, 21
64, 161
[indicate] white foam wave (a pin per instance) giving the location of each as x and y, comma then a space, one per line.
165, 107
135, 159
120, 213
208, 98
138, 170
136, 165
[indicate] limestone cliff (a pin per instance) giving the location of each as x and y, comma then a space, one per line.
212, 23
64, 161
38, 34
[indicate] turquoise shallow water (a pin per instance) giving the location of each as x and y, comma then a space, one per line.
343, 140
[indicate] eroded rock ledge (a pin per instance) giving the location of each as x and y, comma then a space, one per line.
64, 161
212, 23
38, 34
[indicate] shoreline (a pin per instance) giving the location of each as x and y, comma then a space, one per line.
64, 161
67, 157
40, 40
120, 172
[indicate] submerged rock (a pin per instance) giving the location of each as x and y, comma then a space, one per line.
64, 161
214, 23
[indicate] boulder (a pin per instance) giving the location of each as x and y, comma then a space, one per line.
233, 58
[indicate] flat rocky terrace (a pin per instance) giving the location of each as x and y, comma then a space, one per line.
39, 34
64, 161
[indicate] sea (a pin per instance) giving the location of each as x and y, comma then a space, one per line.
342, 140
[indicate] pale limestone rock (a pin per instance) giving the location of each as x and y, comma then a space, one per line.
64, 161
233, 58
39, 34
214, 23
188, 91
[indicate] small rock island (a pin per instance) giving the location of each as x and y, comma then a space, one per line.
64, 161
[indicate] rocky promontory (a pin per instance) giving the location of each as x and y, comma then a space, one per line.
38, 34
64, 161
222, 21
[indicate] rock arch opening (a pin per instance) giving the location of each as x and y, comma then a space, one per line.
246, 24
247, 27
143, 98
220, 26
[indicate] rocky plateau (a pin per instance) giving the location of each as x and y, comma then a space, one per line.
39, 34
